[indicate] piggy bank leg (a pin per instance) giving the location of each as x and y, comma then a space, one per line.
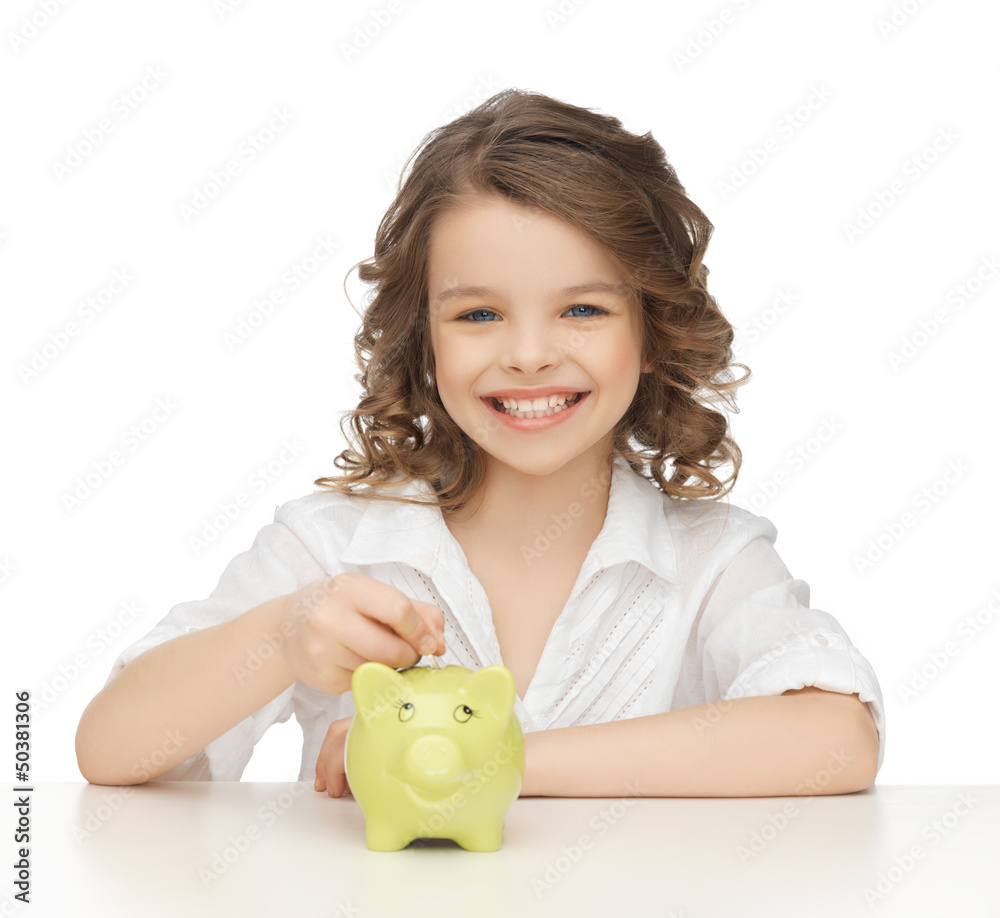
386, 835
483, 837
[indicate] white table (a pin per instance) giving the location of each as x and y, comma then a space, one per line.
232, 848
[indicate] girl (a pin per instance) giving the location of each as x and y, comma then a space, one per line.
535, 483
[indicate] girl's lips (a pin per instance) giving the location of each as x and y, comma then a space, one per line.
534, 423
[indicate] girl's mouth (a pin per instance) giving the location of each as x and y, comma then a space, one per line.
535, 420
544, 413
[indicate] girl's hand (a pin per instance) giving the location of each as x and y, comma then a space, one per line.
335, 624
330, 774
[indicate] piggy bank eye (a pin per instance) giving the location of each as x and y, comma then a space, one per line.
406, 711
462, 713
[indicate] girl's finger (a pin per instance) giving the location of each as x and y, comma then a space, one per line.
368, 639
337, 729
384, 603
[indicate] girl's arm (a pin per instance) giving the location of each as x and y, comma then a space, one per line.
175, 698
804, 742
180, 695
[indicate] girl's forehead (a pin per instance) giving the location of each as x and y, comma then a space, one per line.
495, 228
491, 211
473, 242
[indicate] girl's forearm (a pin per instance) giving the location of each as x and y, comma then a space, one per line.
808, 742
180, 695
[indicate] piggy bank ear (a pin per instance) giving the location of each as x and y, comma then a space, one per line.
376, 688
494, 685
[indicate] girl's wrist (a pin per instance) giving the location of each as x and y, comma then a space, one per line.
275, 629
534, 765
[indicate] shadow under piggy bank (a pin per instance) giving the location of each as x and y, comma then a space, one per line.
434, 753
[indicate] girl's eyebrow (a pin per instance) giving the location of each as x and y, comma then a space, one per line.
452, 293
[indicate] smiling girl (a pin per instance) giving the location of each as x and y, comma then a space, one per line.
536, 482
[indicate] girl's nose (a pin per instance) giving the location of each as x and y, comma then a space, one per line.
533, 349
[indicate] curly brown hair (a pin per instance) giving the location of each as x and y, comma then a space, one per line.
619, 189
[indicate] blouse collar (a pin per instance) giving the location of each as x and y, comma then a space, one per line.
635, 529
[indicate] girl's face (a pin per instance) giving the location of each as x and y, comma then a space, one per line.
522, 330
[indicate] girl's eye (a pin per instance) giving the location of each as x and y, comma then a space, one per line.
476, 312
598, 311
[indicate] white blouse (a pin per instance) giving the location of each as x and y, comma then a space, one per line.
678, 603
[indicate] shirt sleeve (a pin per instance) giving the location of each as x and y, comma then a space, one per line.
275, 564
756, 635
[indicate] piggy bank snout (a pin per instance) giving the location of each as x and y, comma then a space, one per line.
435, 760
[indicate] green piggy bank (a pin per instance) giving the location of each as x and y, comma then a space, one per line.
434, 753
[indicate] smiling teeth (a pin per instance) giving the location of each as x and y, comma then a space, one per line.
539, 407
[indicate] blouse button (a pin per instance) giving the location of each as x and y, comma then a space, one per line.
822, 640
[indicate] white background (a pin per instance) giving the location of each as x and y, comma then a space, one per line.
841, 106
